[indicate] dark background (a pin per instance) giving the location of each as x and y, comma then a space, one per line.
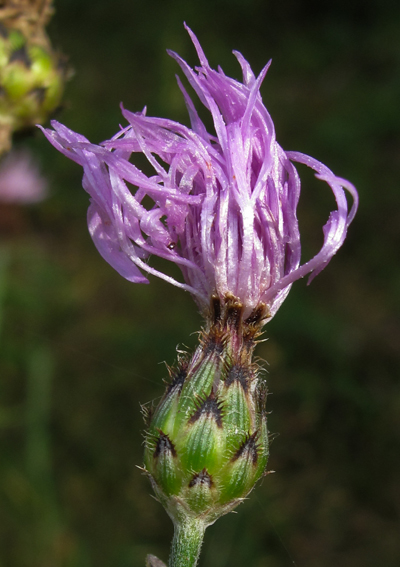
81, 347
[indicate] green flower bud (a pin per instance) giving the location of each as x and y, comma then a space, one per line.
207, 441
32, 79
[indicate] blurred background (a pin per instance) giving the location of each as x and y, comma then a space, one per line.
81, 348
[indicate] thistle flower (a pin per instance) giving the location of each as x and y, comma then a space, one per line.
222, 205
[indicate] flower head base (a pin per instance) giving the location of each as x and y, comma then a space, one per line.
223, 205
207, 441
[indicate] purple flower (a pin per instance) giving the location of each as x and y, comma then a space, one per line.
20, 179
221, 206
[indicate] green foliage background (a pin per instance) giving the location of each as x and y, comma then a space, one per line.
81, 347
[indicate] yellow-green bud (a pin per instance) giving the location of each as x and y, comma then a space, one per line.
32, 79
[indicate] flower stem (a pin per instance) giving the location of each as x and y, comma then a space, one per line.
186, 545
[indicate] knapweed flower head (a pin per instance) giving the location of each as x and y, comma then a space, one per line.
222, 205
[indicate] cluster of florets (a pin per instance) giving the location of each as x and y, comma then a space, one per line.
221, 206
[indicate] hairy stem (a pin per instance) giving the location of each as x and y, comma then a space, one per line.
186, 545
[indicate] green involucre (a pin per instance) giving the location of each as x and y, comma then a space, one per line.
207, 442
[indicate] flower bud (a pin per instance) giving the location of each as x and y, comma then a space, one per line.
207, 441
32, 81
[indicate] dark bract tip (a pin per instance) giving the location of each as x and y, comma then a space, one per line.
240, 374
178, 379
249, 448
164, 445
201, 478
211, 406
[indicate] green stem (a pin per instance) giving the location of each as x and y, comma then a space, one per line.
186, 545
